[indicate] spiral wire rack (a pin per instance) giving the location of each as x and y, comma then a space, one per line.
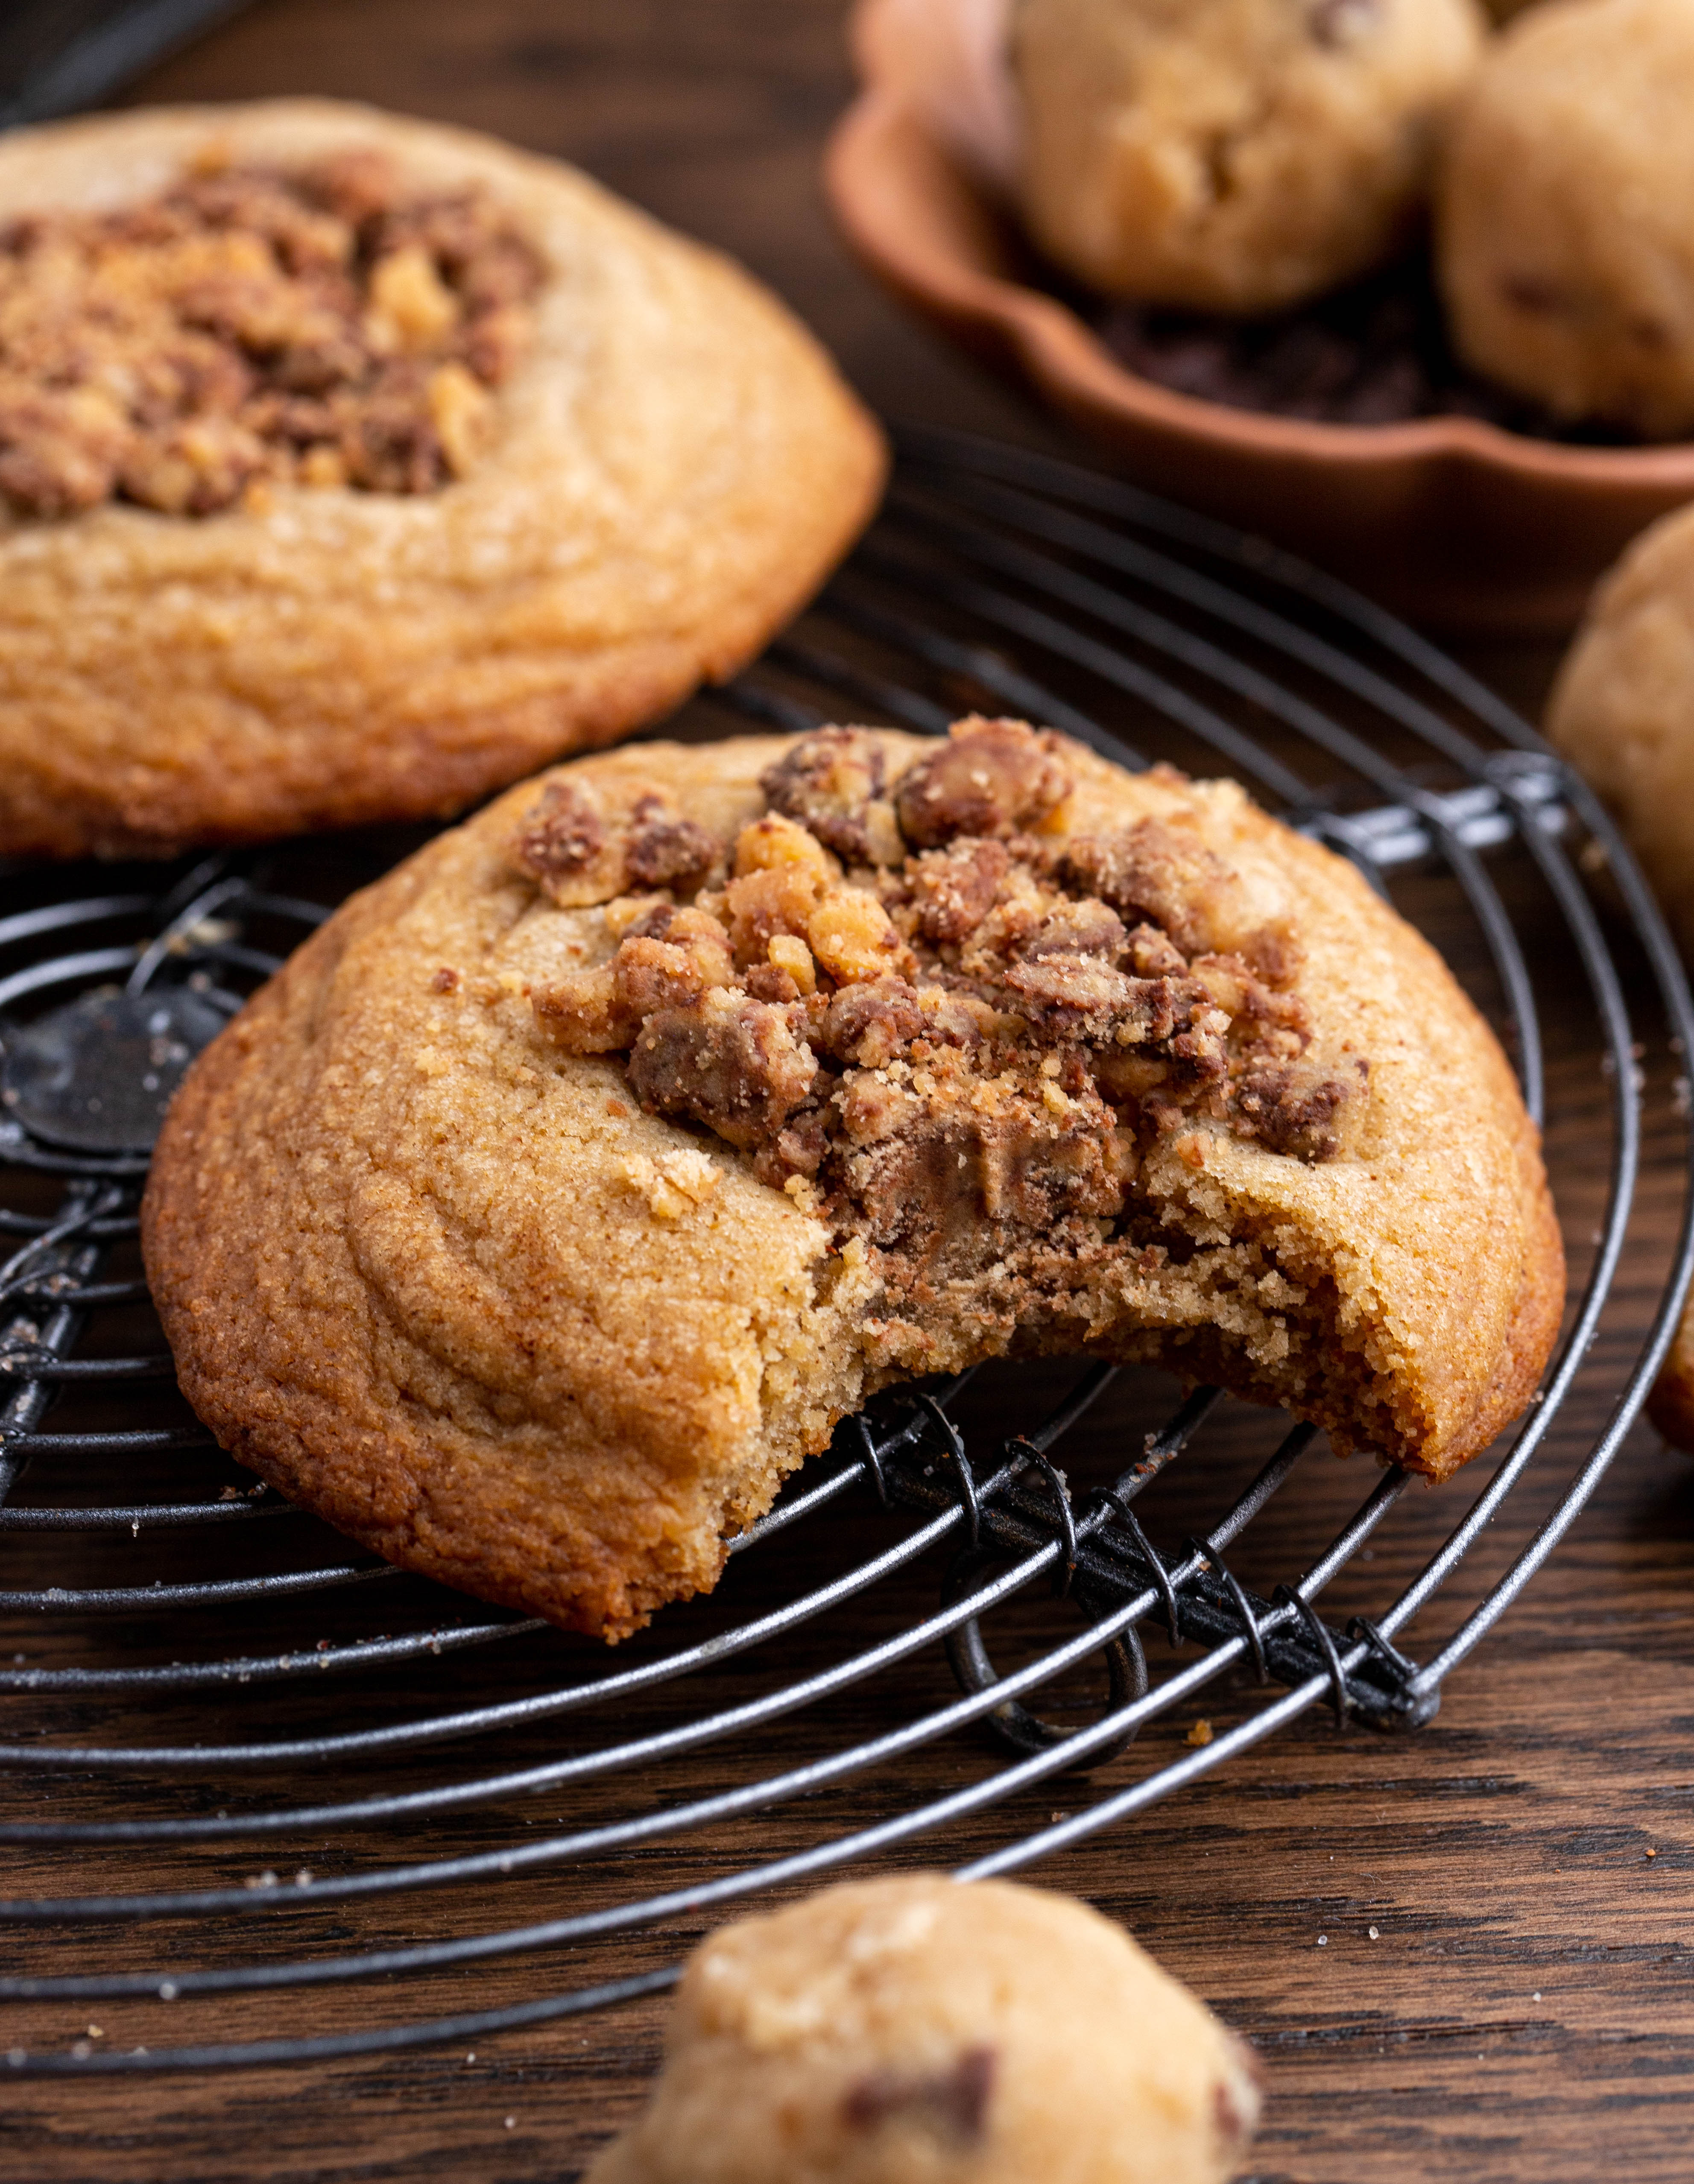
995, 579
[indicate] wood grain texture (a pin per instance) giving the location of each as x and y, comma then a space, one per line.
1526, 2009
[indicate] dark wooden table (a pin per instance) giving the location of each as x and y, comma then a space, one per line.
1464, 1954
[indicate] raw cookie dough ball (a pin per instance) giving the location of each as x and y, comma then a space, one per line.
918, 2031
1565, 242
1623, 709
1232, 155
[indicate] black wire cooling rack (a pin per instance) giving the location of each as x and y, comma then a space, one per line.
199, 1676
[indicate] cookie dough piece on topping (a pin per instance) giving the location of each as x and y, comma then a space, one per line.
916, 2030
1232, 155
1565, 252
562, 1193
351, 466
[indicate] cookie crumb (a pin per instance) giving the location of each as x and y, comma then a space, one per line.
1199, 1734
674, 1184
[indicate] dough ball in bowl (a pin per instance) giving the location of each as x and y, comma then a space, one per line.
1233, 155
914, 2031
1565, 241
1623, 709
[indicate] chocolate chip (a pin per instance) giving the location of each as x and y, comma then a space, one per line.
1376, 352
1337, 22
952, 2104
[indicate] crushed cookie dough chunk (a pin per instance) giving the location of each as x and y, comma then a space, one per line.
248, 327
833, 782
582, 853
989, 778
731, 1062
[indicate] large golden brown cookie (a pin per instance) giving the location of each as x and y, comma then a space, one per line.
351, 467
562, 1193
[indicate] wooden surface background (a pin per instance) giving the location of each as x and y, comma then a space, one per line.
1464, 1954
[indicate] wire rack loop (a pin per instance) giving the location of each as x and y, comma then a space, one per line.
1024, 1452
955, 1443
1231, 1585
1288, 1596
1115, 1506
1126, 1666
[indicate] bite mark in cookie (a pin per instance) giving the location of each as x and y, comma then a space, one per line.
957, 1051
251, 325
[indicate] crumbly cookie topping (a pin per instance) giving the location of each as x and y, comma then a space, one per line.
322, 326
976, 1026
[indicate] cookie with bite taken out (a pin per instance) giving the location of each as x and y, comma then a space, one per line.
563, 1192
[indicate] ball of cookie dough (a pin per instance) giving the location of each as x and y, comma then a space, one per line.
1232, 155
1622, 711
1565, 243
915, 2030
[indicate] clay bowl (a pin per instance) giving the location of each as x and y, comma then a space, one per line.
1449, 520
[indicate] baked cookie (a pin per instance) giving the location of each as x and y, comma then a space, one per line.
351, 466
1622, 711
566, 1188
1232, 155
918, 2031
1565, 254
